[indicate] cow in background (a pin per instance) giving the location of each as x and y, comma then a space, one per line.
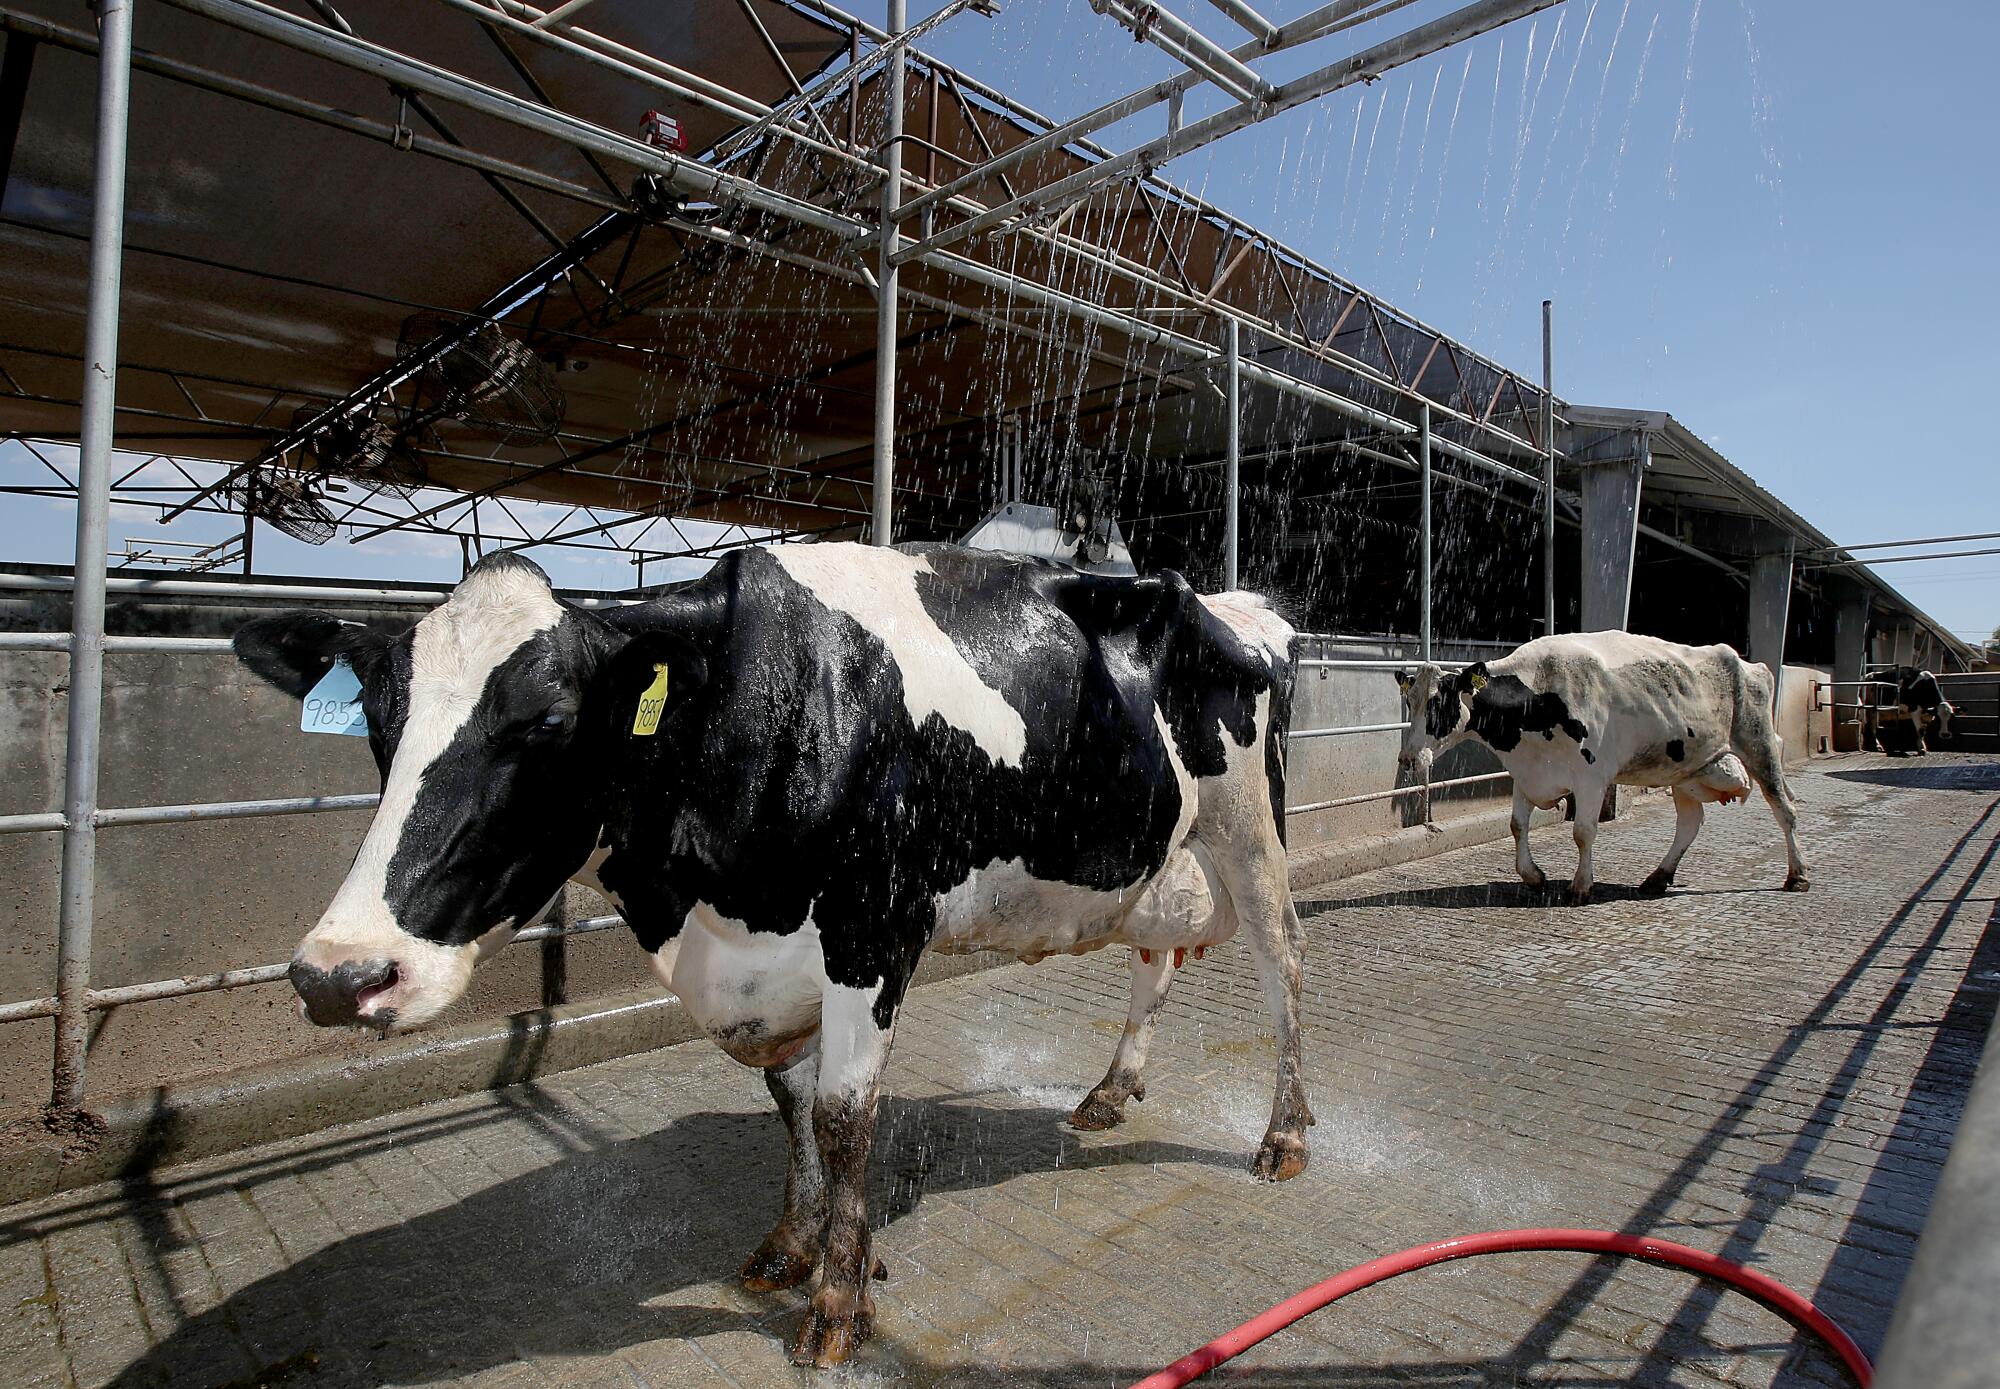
1576, 714
1918, 701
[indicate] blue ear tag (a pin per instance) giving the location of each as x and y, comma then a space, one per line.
334, 704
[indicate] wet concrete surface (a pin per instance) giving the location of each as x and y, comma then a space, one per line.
1772, 1076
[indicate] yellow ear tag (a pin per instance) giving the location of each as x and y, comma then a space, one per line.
652, 703
1478, 682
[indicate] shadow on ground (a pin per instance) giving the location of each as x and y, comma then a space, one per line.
1512, 893
582, 1257
1927, 776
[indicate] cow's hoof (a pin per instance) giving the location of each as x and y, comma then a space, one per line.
1097, 1112
1798, 882
827, 1339
1536, 879
1656, 884
771, 1268
1578, 896
1282, 1157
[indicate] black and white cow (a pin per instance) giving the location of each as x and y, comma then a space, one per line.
860, 753
1918, 701
1573, 715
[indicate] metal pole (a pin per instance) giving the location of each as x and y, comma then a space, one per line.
93, 512
1424, 534
885, 291
1548, 471
1232, 354
249, 521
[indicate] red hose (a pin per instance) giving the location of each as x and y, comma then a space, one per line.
1775, 1295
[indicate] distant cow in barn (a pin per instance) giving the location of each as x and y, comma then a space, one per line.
1574, 715
1917, 702
792, 778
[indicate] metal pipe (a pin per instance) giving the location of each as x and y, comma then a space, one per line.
1548, 473
1424, 534
1232, 355
40, 821
153, 990
1384, 665
1900, 559
1346, 729
1905, 544
60, 641
1264, 30
883, 530
1390, 795
216, 588
1190, 47
1366, 66
93, 515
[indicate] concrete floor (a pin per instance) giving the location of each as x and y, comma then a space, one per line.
1772, 1076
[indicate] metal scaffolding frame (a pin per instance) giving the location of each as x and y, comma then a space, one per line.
730, 180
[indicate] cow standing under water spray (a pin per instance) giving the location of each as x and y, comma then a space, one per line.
1576, 714
792, 778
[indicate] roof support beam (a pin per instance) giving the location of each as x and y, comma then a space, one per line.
1470, 22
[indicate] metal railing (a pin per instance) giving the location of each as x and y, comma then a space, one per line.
95, 999
81, 817
1422, 788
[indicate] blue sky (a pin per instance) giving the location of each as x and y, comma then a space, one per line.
1773, 219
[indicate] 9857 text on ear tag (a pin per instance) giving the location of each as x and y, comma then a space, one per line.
652, 704
334, 704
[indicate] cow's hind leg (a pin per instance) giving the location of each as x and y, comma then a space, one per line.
854, 1046
1755, 740
1104, 1107
790, 1252
1255, 878
1687, 824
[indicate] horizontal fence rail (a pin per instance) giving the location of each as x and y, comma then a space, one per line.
182, 814
98, 999
1422, 788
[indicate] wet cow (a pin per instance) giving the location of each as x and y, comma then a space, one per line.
1574, 715
1918, 701
795, 776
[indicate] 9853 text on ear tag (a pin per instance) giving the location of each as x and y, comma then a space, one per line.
652, 704
334, 704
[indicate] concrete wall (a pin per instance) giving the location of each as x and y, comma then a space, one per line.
1808, 732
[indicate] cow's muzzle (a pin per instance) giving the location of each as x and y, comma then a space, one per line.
337, 997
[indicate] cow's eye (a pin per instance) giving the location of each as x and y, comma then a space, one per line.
555, 721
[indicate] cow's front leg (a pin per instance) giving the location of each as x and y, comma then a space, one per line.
1524, 861
1687, 824
788, 1254
1589, 802
854, 1045
1104, 1107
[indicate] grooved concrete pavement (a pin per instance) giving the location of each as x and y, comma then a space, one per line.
1772, 1076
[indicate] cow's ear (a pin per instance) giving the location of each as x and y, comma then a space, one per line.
1473, 678
293, 650
1405, 681
649, 676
